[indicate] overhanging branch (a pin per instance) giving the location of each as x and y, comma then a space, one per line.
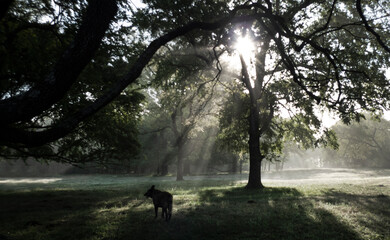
369, 28
41, 97
11, 135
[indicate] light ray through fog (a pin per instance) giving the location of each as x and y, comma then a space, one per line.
246, 47
29, 180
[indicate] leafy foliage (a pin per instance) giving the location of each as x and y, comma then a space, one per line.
33, 36
64, 61
363, 144
233, 123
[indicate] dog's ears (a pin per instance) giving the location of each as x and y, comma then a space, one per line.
152, 187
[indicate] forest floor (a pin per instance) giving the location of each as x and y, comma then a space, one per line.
296, 204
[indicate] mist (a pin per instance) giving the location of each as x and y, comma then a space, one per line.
32, 168
204, 154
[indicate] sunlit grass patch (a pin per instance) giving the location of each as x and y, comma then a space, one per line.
114, 208
367, 214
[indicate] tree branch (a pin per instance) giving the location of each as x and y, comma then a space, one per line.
369, 28
57, 83
30, 139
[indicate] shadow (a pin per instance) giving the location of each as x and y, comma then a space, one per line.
215, 212
56, 214
371, 211
275, 213
237, 213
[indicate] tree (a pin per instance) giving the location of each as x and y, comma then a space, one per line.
324, 54
29, 47
311, 63
185, 92
155, 136
362, 144
34, 100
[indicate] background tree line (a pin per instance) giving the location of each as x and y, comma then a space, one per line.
363, 144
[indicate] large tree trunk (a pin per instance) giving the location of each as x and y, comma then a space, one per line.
255, 157
254, 181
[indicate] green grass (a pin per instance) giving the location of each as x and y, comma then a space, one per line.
113, 207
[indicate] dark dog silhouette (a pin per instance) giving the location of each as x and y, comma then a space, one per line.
161, 199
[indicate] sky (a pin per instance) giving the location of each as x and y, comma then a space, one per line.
137, 3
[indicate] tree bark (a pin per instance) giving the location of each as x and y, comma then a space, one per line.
256, 92
255, 158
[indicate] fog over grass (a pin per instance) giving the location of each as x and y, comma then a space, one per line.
273, 178
296, 204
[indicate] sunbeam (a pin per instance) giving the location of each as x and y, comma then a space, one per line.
245, 46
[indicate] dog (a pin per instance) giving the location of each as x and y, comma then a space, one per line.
161, 199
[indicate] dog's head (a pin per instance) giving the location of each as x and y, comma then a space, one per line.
150, 192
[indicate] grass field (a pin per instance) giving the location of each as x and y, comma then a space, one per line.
297, 204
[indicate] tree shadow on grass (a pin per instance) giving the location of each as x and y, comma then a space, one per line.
273, 213
276, 213
371, 211
209, 213
59, 214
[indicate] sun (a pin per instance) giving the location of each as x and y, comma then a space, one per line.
245, 46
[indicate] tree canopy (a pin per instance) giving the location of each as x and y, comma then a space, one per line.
64, 62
